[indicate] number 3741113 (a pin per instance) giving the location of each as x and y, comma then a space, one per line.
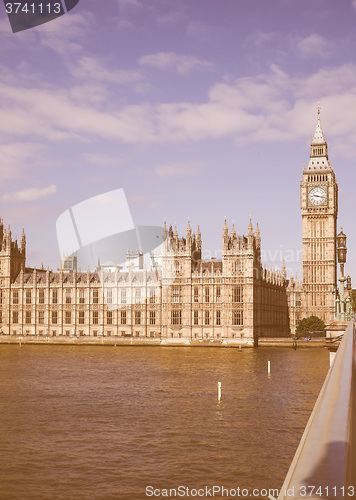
33, 8
333, 491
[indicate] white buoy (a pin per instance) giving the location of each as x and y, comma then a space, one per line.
268, 367
219, 391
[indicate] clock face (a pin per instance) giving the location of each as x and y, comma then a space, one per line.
317, 196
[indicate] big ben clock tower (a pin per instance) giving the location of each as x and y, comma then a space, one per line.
319, 205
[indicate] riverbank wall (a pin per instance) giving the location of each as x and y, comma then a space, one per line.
132, 341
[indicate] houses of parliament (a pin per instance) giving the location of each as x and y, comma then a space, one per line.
185, 298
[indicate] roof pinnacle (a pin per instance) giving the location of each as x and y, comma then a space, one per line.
318, 138
189, 229
225, 229
250, 229
257, 232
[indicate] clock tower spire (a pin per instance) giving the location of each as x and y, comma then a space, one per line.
319, 160
319, 206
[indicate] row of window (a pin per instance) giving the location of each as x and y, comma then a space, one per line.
67, 315
94, 333
317, 251
318, 177
317, 228
319, 151
316, 274
176, 317
237, 295
318, 299
237, 266
237, 317
109, 296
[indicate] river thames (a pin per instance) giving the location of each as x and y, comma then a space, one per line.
117, 422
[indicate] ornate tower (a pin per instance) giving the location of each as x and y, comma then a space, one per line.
12, 256
319, 206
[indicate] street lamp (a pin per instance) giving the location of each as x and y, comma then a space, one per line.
341, 250
341, 257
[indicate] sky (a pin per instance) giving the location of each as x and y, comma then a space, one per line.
196, 108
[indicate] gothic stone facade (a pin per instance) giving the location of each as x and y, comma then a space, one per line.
317, 292
186, 297
319, 206
183, 298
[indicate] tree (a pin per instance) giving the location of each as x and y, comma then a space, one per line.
306, 326
353, 297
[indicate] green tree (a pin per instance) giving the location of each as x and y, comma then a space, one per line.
309, 325
353, 296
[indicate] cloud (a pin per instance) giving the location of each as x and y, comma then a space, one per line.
30, 194
145, 202
103, 160
64, 36
272, 106
181, 63
130, 3
54, 114
260, 38
95, 93
179, 169
170, 18
90, 69
5, 27
16, 156
202, 31
314, 45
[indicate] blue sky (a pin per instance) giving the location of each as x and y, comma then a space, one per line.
197, 108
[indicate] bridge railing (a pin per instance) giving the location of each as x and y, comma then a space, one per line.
324, 465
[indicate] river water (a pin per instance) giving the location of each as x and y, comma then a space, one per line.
108, 422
